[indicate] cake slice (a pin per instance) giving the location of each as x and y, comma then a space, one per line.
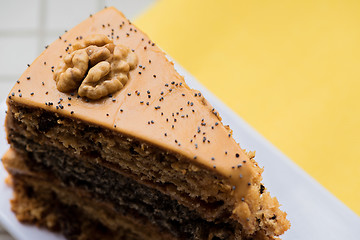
108, 142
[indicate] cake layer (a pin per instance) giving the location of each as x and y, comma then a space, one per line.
94, 145
37, 202
155, 106
131, 199
122, 194
35, 131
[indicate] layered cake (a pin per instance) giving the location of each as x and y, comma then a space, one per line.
108, 142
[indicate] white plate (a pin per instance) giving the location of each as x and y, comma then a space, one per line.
314, 212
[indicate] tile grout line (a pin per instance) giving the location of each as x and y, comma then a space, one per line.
41, 25
6, 77
100, 5
25, 33
17, 33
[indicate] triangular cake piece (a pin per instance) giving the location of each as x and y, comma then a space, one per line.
107, 140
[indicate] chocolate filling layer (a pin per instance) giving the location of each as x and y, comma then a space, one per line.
37, 204
125, 194
198, 186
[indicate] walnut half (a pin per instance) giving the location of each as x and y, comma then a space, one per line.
96, 67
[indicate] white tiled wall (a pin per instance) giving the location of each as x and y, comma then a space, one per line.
12, 20
68, 12
16, 52
26, 26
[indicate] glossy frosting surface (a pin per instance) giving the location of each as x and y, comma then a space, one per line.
155, 105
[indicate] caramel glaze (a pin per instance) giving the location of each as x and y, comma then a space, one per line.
155, 106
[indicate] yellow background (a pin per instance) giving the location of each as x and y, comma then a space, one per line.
289, 68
